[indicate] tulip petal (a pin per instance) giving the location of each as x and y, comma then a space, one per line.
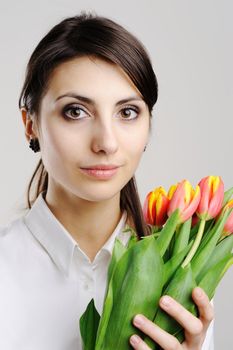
206, 191
177, 199
216, 201
192, 207
184, 198
172, 190
212, 195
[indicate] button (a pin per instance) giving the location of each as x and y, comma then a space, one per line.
86, 286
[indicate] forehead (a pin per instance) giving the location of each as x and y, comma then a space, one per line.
91, 75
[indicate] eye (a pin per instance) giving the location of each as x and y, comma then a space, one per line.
72, 112
75, 111
127, 114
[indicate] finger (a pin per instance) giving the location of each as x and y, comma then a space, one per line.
138, 343
157, 334
192, 325
206, 310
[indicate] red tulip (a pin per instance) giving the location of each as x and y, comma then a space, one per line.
155, 207
212, 195
184, 197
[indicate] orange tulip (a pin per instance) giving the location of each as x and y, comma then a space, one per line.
184, 197
155, 207
212, 195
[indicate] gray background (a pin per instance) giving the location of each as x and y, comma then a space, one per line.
190, 44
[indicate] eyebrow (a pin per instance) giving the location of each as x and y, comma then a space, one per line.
92, 102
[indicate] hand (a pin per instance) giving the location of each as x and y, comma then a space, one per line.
194, 328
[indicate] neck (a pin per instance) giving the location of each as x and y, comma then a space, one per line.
90, 223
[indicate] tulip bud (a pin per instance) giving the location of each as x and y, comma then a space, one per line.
212, 195
155, 207
184, 197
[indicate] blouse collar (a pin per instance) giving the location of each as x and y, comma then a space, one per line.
57, 241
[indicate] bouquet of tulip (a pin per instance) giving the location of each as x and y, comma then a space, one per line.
190, 245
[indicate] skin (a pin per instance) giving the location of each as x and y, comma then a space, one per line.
99, 134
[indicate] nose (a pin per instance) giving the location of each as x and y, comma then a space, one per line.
104, 138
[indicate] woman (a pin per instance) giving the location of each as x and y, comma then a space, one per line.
86, 105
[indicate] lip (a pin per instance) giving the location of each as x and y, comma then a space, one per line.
103, 174
102, 167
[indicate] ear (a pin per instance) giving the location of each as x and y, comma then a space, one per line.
28, 124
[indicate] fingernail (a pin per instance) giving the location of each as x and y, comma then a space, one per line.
138, 320
165, 300
134, 340
199, 292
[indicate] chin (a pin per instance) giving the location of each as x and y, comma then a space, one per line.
98, 194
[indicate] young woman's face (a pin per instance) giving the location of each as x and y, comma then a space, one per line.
76, 134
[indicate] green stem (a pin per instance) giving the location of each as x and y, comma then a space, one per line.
196, 243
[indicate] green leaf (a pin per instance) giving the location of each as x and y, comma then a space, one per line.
167, 254
182, 236
136, 286
227, 196
133, 239
208, 226
180, 335
88, 325
205, 250
180, 288
194, 230
172, 264
155, 229
107, 308
213, 276
168, 231
222, 249
118, 250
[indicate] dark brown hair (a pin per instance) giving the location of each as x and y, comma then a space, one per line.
95, 36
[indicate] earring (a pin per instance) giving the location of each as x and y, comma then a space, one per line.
34, 145
144, 148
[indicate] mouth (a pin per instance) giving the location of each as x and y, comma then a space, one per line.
101, 166
98, 173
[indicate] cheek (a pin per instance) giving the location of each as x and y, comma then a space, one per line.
135, 141
133, 147
59, 145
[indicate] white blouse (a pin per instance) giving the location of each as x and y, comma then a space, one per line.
47, 281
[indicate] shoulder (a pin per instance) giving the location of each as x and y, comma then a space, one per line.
11, 228
12, 237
